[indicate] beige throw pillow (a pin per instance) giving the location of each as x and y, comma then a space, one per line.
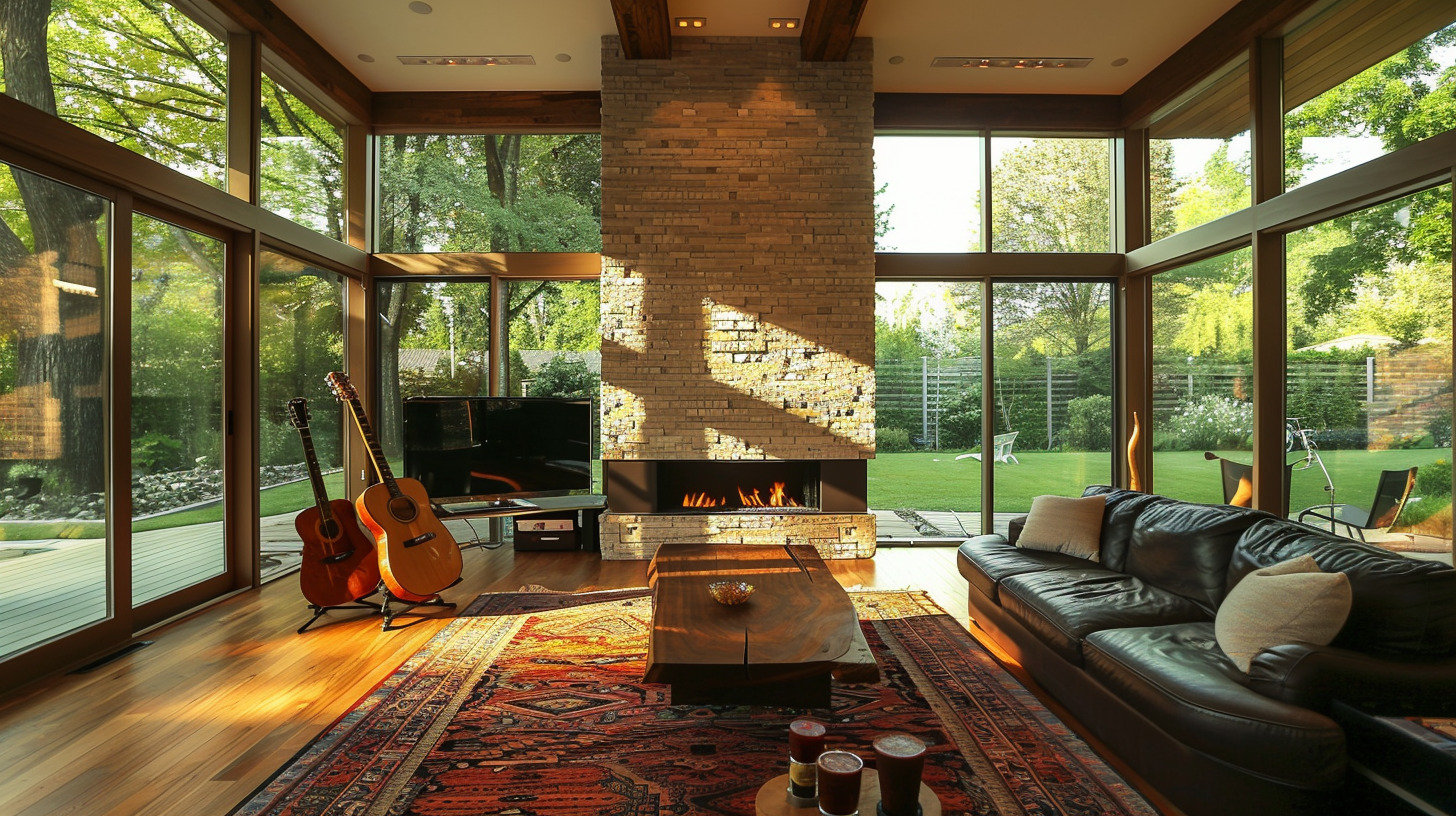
1290, 602
1060, 524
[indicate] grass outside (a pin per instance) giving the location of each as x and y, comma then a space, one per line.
938, 481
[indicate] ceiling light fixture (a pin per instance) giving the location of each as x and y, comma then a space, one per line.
690, 22
366, 58
783, 22
421, 8
487, 61
1010, 62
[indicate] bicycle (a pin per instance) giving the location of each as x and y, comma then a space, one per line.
1295, 434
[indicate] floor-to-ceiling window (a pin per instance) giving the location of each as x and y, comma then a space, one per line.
1369, 367
301, 161
1199, 156
54, 262
301, 339
177, 418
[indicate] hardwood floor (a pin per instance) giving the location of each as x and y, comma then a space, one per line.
190, 725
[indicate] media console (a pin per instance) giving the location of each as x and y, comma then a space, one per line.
582, 511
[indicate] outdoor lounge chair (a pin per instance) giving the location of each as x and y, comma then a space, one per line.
1001, 449
1238, 481
1391, 494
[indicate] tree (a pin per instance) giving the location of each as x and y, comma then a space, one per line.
1053, 195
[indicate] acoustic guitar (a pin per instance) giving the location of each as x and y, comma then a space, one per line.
417, 556
339, 565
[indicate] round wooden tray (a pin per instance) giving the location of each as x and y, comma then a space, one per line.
773, 798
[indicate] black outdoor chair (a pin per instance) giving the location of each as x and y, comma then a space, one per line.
1391, 494
1238, 481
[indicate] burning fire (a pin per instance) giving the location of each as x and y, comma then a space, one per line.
776, 498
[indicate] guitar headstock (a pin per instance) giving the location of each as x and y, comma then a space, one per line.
343, 389
298, 413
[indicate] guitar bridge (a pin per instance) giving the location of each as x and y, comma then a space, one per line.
338, 558
418, 540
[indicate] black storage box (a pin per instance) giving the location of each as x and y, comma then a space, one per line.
547, 531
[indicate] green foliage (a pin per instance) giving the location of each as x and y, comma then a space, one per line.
1326, 389
892, 440
1434, 479
301, 162
565, 377
1210, 422
960, 419
155, 452
1089, 424
1053, 195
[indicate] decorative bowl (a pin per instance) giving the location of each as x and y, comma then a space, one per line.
730, 592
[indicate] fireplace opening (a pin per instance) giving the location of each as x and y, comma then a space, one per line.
731, 487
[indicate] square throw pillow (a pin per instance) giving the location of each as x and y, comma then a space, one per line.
1290, 602
1060, 524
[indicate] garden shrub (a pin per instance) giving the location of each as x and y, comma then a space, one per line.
153, 452
1434, 479
1340, 439
1089, 424
1440, 429
1209, 423
892, 440
960, 419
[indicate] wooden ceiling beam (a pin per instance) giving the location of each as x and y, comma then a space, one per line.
303, 54
1226, 39
645, 28
488, 112
829, 27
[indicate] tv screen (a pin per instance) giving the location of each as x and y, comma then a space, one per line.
475, 448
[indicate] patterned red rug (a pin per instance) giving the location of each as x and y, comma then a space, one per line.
534, 704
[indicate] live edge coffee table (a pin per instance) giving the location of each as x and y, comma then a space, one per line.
780, 648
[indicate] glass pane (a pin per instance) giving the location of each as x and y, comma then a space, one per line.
1203, 368
302, 163
925, 479
928, 193
53, 376
176, 405
1200, 157
139, 73
555, 346
1369, 377
301, 323
490, 193
1053, 370
434, 340
1365, 78
1051, 195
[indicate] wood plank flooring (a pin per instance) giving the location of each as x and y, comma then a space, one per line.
192, 724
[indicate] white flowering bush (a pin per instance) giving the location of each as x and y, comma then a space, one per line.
1210, 422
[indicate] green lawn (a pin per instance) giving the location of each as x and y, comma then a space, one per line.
938, 481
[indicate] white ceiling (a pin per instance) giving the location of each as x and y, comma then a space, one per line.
1145, 32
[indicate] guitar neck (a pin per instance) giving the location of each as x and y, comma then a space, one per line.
376, 453
315, 474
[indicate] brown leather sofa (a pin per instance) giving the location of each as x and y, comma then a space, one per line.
1127, 645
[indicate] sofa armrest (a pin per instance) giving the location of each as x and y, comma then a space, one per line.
1014, 528
1314, 676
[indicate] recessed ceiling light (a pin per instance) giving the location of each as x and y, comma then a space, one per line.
365, 58
780, 23
477, 60
690, 22
1119, 62
421, 8
896, 60
563, 58
1010, 62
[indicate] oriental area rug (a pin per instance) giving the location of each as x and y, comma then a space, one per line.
533, 703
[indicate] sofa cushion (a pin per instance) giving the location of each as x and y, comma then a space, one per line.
1290, 602
1121, 513
1185, 548
1061, 607
1398, 604
1064, 525
987, 560
1177, 677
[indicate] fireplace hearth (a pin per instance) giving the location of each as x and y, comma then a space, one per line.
772, 487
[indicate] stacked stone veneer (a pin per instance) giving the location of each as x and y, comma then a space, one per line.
738, 269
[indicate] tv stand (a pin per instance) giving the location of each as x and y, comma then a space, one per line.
585, 507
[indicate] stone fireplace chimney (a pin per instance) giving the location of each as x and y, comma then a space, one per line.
737, 283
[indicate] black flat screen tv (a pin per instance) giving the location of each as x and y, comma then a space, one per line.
484, 448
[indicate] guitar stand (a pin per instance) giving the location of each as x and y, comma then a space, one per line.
409, 609
320, 611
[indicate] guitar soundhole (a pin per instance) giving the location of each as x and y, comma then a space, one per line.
403, 509
330, 529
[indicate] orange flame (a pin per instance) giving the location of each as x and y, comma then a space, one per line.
777, 497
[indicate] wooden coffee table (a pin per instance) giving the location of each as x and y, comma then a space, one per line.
780, 648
